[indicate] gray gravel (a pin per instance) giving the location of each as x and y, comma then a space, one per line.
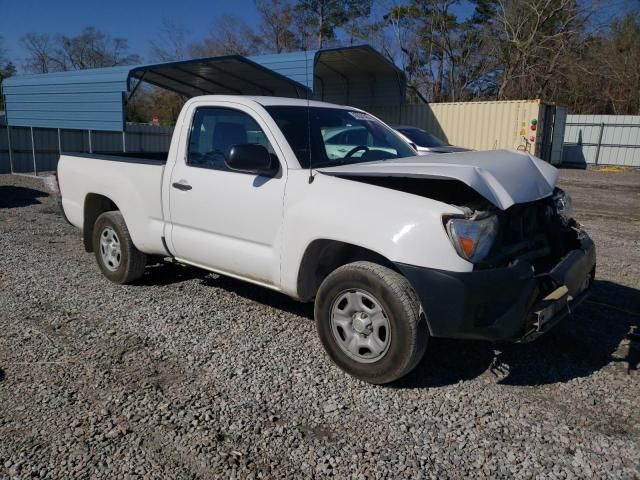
191, 375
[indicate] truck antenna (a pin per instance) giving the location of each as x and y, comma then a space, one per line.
306, 72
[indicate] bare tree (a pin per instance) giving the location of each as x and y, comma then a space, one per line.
401, 42
276, 26
7, 68
170, 43
3, 51
228, 35
529, 40
90, 49
40, 48
620, 60
604, 76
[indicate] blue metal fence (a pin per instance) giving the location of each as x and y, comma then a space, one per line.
36, 150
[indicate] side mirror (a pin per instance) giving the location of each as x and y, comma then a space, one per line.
251, 158
414, 146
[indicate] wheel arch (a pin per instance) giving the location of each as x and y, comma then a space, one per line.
94, 206
323, 256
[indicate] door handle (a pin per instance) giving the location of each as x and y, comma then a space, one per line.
182, 186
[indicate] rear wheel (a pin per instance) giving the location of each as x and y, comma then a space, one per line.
369, 321
117, 256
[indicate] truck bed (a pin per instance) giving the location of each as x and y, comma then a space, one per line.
132, 182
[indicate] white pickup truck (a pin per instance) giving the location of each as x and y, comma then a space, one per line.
394, 248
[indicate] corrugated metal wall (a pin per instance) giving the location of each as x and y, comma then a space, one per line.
602, 139
357, 76
83, 99
4, 148
138, 138
476, 125
297, 66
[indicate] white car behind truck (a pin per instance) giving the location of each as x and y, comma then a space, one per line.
392, 247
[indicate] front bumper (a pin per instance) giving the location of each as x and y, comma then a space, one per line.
510, 303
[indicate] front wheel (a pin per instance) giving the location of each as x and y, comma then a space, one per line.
369, 321
117, 256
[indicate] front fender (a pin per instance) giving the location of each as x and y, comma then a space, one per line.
399, 226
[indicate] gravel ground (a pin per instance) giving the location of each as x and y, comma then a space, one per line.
191, 375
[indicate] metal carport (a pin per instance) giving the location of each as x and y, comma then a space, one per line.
93, 102
95, 99
358, 75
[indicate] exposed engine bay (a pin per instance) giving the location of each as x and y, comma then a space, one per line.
537, 231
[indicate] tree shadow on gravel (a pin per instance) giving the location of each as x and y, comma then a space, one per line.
579, 346
15, 197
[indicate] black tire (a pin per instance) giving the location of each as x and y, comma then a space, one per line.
408, 329
131, 260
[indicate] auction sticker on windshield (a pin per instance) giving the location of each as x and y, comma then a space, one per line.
361, 116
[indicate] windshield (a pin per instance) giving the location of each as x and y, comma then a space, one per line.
338, 136
422, 138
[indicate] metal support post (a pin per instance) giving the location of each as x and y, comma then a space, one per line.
599, 142
33, 152
10, 149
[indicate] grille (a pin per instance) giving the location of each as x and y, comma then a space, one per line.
533, 232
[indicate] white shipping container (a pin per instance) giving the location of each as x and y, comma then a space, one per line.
516, 124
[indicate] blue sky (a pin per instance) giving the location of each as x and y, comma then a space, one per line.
140, 20
137, 20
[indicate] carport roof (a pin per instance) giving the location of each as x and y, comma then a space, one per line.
232, 74
95, 99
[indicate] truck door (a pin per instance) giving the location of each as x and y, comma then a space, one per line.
222, 219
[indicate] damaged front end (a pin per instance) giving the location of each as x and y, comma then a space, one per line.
532, 264
540, 232
531, 261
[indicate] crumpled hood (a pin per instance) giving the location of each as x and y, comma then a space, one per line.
503, 177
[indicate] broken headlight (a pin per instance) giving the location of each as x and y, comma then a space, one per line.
472, 237
563, 205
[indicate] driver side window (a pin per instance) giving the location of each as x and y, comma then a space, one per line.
215, 130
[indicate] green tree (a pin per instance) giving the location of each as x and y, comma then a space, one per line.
319, 20
7, 70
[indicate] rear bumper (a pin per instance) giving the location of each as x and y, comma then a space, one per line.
510, 303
